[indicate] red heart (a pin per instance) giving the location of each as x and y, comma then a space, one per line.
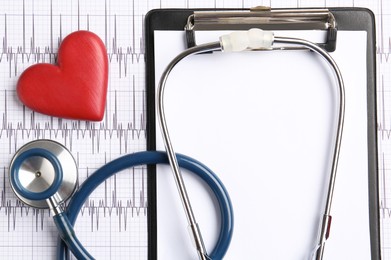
74, 89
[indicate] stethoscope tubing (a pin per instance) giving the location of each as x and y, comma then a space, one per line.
326, 219
150, 158
195, 232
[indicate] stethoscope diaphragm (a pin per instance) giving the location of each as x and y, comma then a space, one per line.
37, 172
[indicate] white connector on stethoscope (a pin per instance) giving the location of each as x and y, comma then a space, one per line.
252, 39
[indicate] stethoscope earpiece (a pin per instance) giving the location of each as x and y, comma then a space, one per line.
37, 173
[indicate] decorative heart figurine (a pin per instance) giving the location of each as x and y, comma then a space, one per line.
76, 88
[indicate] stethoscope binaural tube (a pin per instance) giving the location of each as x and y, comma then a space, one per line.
253, 39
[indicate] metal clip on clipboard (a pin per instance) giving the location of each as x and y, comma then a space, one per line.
266, 19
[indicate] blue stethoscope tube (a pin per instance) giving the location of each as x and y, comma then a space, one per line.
65, 222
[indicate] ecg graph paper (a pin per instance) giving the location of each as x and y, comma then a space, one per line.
113, 222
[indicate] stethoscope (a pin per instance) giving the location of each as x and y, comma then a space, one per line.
43, 173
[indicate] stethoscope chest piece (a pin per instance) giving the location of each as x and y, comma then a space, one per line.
43, 169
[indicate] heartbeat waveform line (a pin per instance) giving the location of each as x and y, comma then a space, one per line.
31, 32
386, 211
123, 55
110, 128
383, 127
382, 52
96, 209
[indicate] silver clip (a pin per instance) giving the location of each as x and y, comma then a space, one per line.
264, 18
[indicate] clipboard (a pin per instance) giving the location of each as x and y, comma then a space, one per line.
346, 19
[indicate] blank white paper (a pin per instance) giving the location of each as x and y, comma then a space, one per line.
265, 122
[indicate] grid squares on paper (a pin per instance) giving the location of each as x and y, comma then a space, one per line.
28, 233
31, 33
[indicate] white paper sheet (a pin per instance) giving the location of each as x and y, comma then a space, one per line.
265, 123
